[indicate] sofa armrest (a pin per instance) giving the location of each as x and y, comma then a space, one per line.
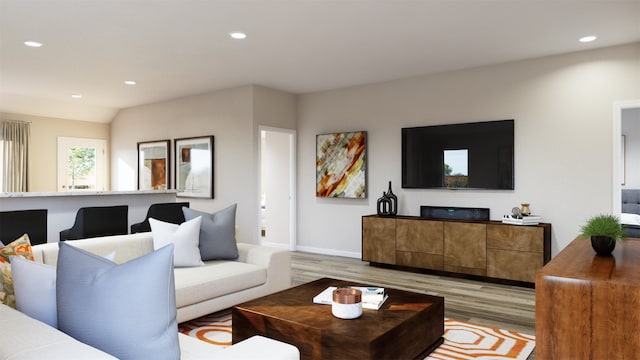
256, 347
276, 260
259, 347
26, 338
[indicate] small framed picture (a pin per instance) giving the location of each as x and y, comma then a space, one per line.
194, 167
154, 159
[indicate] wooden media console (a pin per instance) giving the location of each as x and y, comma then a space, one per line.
488, 250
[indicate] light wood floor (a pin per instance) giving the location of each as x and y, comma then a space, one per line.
500, 306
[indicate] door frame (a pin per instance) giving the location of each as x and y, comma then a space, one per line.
292, 243
618, 107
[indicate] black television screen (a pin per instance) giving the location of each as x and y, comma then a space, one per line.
459, 156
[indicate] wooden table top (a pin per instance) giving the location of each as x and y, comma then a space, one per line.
579, 261
296, 305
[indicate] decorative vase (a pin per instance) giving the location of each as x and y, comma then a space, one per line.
388, 203
525, 210
603, 245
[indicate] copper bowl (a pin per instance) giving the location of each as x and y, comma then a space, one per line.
347, 296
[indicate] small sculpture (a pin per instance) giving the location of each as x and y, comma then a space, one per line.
388, 203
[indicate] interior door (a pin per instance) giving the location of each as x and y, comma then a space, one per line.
81, 164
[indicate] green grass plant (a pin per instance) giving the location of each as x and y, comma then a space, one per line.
603, 225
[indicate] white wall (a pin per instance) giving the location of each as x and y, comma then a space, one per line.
631, 131
232, 116
562, 106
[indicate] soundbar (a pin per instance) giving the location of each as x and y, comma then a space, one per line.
460, 213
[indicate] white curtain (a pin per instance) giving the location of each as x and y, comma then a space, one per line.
15, 148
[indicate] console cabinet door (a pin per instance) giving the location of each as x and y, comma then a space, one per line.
465, 248
514, 252
379, 240
419, 243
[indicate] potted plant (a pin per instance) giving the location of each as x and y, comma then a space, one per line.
604, 231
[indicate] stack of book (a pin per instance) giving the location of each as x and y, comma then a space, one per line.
372, 297
524, 220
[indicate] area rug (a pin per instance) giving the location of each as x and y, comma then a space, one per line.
461, 340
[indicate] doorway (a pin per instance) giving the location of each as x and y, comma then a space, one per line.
624, 112
277, 187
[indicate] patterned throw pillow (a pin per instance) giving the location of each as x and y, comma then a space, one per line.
20, 247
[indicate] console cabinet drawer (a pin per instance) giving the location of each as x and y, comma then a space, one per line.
419, 260
513, 265
514, 237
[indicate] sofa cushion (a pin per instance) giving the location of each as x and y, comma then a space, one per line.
20, 247
214, 279
25, 338
217, 233
126, 310
184, 237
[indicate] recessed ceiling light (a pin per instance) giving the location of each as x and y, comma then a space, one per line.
76, 96
129, 82
33, 44
238, 35
586, 39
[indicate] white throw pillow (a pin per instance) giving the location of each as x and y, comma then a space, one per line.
630, 219
185, 238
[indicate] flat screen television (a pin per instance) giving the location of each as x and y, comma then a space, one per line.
475, 155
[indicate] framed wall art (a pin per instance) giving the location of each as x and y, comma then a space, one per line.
154, 159
194, 167
341, 166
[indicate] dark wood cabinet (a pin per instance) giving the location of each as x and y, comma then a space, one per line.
487, 249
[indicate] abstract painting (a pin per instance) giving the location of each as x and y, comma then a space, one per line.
341, 169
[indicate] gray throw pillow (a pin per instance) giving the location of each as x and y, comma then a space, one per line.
217, 233
126, 310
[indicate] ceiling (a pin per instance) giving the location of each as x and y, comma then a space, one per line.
176, 48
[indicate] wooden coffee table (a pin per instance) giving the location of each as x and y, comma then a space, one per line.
407, 326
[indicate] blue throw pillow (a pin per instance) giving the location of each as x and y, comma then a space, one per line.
217, 233
126, 310
35, 287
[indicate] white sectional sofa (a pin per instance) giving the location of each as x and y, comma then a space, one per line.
200, 290
24, 338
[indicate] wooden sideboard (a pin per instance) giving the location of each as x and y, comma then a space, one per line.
488, 249
588, 306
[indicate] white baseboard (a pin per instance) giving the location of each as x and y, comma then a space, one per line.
275, 245
332, 252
